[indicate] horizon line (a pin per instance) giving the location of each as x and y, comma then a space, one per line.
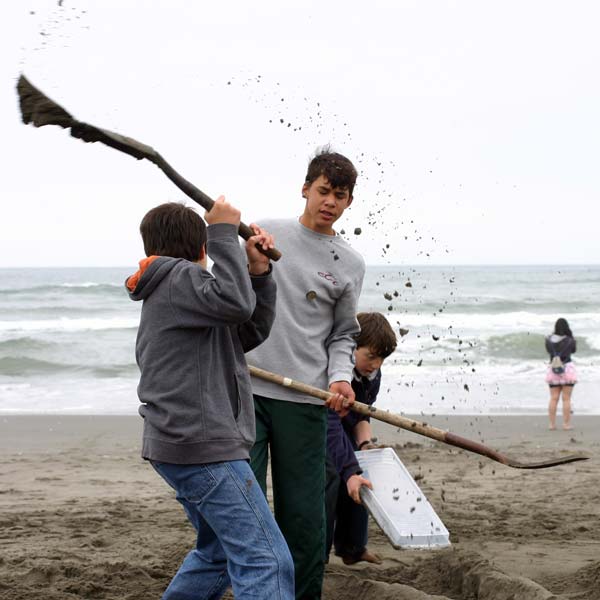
391, 265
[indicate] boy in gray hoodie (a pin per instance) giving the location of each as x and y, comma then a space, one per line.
196, 394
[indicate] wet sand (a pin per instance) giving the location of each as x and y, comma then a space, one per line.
82, 515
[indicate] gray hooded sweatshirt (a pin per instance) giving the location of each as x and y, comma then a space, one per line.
318, 286
194, 330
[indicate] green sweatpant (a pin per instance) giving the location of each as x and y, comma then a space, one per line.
297, 437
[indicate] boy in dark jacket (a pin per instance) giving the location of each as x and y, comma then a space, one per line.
196, 395
347, 519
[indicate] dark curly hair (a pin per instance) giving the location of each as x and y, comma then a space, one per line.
339, 171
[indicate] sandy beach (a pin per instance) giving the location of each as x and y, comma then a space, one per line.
82, 515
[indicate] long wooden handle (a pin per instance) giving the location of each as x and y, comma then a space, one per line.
40, 110
415, 426
201, 198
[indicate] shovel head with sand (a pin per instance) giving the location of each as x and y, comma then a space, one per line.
38, 109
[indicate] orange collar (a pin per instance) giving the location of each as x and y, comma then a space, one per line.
144, 264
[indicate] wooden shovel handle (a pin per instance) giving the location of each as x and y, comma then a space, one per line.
207, 202
358, 407
416, 426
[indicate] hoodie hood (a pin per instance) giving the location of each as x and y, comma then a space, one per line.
152, 271
555, 339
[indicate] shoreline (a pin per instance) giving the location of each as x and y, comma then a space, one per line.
52, 430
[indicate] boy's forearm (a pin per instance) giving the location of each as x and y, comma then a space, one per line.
226, 297
340, 350
231, 285
340, 360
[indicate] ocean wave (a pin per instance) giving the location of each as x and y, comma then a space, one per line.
578, 281
515, 346
24, 344
514, 349
497, 307
54, 312
527, 346
475, 305
66, 288
12, 366
64, 324
89, 284
485, 323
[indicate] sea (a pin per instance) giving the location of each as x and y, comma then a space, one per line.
470, 338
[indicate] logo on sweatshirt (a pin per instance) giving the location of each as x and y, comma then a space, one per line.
329, 276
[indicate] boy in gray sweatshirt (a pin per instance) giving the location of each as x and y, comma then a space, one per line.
196, 394
312, 340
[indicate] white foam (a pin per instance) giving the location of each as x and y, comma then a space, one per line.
65, 324
509, 322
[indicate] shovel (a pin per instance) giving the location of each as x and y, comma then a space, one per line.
40, 110
417, 427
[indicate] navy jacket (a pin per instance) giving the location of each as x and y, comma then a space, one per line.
340, 437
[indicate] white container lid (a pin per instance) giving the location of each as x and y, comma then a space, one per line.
397, 503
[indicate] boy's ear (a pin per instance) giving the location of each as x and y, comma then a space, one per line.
305, 190
202, 252
349, 201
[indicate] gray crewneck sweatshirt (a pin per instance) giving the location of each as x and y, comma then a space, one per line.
194, 329
319, 279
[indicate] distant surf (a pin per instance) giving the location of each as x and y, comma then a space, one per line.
473, 338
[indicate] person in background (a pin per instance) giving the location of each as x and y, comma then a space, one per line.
347, 519
561, 375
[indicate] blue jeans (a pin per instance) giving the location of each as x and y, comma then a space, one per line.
238, 540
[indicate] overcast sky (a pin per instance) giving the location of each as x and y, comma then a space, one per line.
475, 125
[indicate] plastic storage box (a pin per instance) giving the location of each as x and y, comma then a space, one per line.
397, 503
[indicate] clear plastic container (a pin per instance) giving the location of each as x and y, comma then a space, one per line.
397, 503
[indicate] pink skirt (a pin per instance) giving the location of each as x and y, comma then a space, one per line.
569, 377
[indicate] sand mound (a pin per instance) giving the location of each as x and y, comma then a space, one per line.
345, 587
584, 584
73, 580
447, 574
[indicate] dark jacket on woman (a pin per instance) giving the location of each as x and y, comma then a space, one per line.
561, 345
